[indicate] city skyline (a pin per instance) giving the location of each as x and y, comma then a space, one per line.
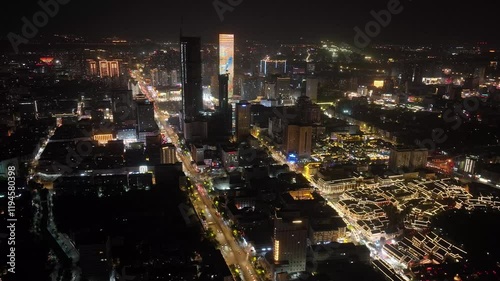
240, 140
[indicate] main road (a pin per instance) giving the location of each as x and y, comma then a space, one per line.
233, 253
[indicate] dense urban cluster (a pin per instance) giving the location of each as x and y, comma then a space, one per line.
244, 160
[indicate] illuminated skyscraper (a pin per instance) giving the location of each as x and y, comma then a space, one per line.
243, 116
290, 242
106, 68
226, 59
272, 67
192, 92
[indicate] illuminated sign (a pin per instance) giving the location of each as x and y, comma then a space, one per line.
292, 158
378, 83
226, 59
47, 60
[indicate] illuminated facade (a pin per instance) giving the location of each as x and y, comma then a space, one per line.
168, 154
104, 68
103, 138
290, 242
272, 67
93, 68
226, 59
409, 158
243, 120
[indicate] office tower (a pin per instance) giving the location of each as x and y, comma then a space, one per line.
270, 90
92, 70
224, 109
154, 149
226, 60
159, 77
104, 68
114, 68
283, 88
307, 112
290, 242
298, 140
145, 116
223, 92
470, 164
123, 105
174, 80
168, 154
28, 111
192, 92
196, 130
243, 120
407, 158
312, 89
272, 67
252, 88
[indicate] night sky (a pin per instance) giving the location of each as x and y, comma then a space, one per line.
421, 21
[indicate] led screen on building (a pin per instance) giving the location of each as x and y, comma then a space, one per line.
226, 58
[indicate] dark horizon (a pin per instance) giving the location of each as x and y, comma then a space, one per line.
419, 22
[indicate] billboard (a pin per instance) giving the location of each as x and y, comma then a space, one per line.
226, 59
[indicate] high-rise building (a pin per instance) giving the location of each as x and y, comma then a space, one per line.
28, 111
123, 105
225, 110
168, 154
307, 112
104, 68
153, 149
196, 130
407, 158
272, 67
192, 92
312, 89
283, 88
290, 242
223, 92
270, 90
93, 71
470, 164
243, 120
145, 116
298, 140
226, 60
